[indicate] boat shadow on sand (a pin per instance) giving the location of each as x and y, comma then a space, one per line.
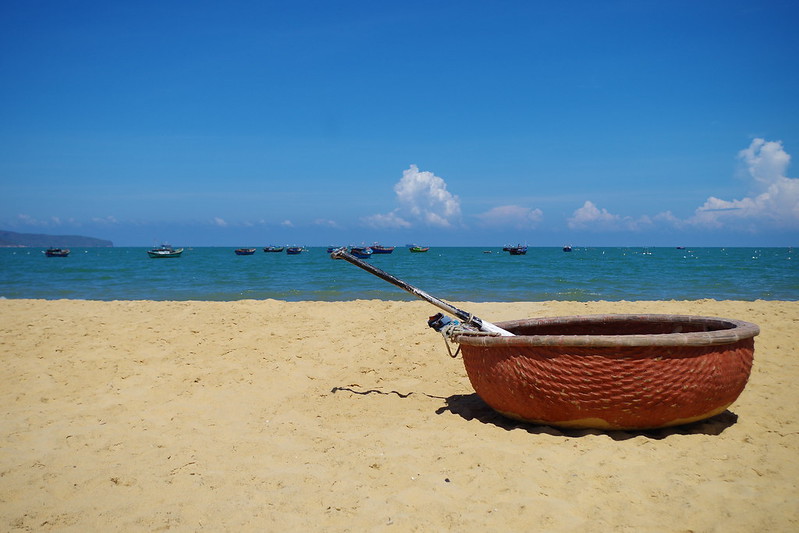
472, 407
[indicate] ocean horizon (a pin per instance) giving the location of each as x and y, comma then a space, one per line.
479, 274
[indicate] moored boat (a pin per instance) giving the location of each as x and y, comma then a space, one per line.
244, 251
56, 252
294, 250
517, 250
567, 248
419, 249
273, 249
378, 249
164, 251
361, 252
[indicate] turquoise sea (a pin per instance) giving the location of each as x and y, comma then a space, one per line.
449, 273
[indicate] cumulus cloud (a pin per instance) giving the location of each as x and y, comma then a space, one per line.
765, 161
287, 224
589, 216
220, 222
775, 197
426, 196
773, 201
422, 197
511, 216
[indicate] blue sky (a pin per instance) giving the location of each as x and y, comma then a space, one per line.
246, 123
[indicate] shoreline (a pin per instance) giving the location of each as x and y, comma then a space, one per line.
254, 414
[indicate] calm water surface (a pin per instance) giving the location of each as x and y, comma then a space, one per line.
450, 273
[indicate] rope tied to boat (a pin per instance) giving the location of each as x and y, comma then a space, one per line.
450, 329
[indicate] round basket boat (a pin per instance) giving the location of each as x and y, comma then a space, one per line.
612, 371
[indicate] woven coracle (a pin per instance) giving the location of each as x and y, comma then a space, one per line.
612, 371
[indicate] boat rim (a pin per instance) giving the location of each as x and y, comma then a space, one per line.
728, 331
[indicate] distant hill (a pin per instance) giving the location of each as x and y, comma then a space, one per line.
12, 239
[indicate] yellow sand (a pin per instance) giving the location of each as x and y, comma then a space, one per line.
275, 416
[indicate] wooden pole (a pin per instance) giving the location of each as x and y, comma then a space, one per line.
466, 318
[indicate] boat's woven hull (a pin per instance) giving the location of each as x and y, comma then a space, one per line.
584, 372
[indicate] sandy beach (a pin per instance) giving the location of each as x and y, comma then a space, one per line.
351, 416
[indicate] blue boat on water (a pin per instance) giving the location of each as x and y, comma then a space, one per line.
295, 250
361, 252
378, 249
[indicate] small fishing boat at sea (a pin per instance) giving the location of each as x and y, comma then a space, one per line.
567, 248
378, 249
517, 250
294, 250
244, 251
164, 251
361, 252
419, 249
56, 252
274, 249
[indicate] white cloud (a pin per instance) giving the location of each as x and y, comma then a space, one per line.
775, 198
773, 202
27, 220
669, 218
589, 216
105, 220
511, 216
426, 196
52, 222
220, 222
389, 220
326, 223
423, 197
765, 161
287, 224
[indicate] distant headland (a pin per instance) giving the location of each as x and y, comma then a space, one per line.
10, 239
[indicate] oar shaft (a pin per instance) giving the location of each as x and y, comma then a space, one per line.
467, 318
